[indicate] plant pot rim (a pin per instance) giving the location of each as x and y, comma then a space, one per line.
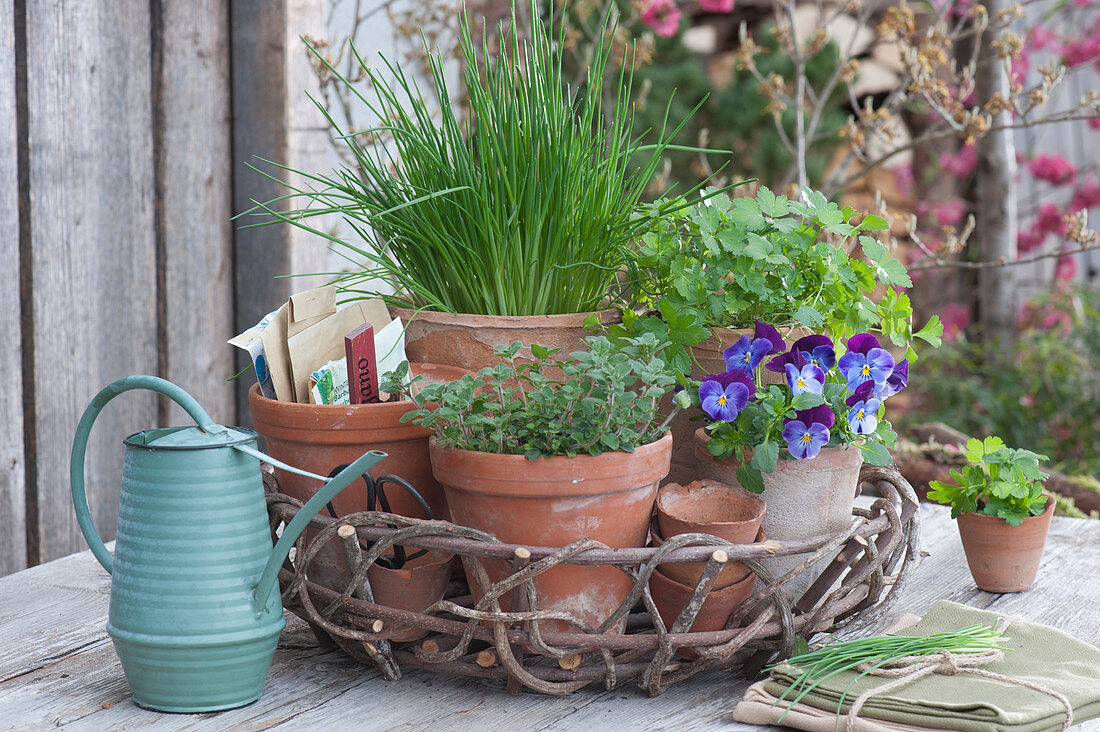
757, 501
473, 320
731, 589
986, 518
814, 465
654, 446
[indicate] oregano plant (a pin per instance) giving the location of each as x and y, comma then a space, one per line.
601, 400
996, 481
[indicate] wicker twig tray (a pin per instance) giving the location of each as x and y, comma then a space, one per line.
874, 556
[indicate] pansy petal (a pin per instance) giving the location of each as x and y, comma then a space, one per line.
771, 333
862, 393
862, 343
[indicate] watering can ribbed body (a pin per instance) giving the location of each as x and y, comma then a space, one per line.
195, 611
192, 539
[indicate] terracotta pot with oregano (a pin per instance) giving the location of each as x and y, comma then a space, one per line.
1003, 515
543, 460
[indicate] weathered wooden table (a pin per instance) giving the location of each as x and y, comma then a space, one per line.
58, 668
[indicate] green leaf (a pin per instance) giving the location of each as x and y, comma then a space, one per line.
807, 400
932, 332
873, 248
872, 222
809, 317
875, 453
893, 272
750, 478
765, 456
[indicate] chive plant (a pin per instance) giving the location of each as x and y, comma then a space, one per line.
527, 206
814, 667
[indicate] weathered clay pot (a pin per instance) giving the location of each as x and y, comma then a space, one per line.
468, 341
708, 507
416, 586
1004, 558
553, 502
688, 573
318, 437
671, 597
707, 359
805, 498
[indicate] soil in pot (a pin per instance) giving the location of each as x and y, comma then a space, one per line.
319, 437
688, 573
805, 498
418, 585
671, 597
467, 341
1004, 558
553, 502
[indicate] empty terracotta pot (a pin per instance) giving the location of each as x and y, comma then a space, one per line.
688, 573
709, 507
552, 502
805, 498
671, 597
416, 586
1002, 557
318, 437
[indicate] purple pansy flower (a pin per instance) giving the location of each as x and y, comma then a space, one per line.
862, 393
809, 378
818, 350
771, 333
723, 402
822, 414
746, 355
897, 380
863, 416
875, 365
805, 441
733, 376
862, 343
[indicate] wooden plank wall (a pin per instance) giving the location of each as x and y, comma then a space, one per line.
117, 250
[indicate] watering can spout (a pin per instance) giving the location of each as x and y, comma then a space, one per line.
262, 592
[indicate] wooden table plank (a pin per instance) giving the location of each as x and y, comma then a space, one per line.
63, 671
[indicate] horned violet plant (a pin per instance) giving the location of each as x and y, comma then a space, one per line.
825, 400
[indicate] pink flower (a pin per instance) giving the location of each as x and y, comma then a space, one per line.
950, 212
1087, 196
663, 17
955, 318
1082, 50
1093, 123
1020, 65
1049, 220
716, 6
1042, 37
1066, 269
1028, 240
1054, 169
903, 178
961, 163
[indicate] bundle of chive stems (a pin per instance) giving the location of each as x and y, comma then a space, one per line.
873, 653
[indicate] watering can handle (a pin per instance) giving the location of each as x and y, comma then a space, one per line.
80, 446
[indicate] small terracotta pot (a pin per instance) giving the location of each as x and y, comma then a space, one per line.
707, 358
688, 573
805, 498
318, 437
416, 586
1004, 558
467, 341
553, 502
671, 597
709, 507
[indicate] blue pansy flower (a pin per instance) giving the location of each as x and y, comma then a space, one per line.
818, 350
809, 378
876, 365
897, 380
804, 441
863, 417
723, 402
746, 354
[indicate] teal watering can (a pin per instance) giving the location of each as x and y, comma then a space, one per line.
195, 610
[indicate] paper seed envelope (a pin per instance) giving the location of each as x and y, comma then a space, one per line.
313, 306
323, 341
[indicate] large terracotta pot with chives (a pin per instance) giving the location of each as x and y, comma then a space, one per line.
552, 502
467, 340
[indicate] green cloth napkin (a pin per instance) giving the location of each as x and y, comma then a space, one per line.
1033, 652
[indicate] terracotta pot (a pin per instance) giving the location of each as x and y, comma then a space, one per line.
707, 359
688, 573
708, 507
553, 502
671, 597
468, 341
1004, 558
805, 498
415, 587
318, 437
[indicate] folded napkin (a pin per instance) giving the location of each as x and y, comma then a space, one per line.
1035, 654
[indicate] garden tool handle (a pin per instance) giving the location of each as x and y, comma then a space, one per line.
80, 447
